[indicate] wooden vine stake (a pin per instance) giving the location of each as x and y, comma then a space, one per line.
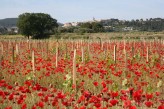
115, 46
147, 55
124, 46
33, 61
2, 49
74, 70
82, 55
125, 59
13, 54
57, 54
17, 51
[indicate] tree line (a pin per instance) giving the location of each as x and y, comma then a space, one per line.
41, 25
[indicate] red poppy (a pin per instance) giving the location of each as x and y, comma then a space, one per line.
132, 107
95, 83
113, 102
24, 106
40, 104
149, 96
9, 107
148, 103
103, 84
114, 94
97, 105
34, 107
82, 107
127, 103
161, 107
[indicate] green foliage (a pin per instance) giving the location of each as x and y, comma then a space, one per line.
37, 25
93, 27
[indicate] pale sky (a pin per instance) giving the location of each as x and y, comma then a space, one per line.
84, 10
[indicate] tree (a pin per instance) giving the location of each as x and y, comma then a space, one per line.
97, 27
36, 25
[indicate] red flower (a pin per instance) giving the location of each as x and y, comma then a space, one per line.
161, 107
82, 107
11, 97
157, 93
113, 102
127, 103
95, 83
149, 96
60, 95
148, 103
41, 104
9, 107
20, 101
114, 94
34, 107
137, 96
132, 107
24, 106
105, 89
81, 98
97, 105
9, 87
103, 84
40, 94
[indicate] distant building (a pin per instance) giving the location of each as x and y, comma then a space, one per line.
12, 30
127, 28
67, 25
74, 24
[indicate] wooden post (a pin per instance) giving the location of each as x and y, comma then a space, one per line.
88, 49
115, 46
33, 61
57, 54
82, 54
47, 49
125, 59
132, 49
17, 51
74, 69
147, 55
124, 46
2, 49
13, 56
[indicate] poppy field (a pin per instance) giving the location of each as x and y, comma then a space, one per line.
82, 74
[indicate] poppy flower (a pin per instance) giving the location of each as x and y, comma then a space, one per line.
149, 96
148, 103
161, 107
95, 83
9, 107
40, 104
132, 107
127, 103
114, 94
103, 84
24, 106
113, 102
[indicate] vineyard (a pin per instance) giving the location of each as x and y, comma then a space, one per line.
82, 74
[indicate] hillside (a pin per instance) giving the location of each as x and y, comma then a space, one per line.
11, 22
8, 22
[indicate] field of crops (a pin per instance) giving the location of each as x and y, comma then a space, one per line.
82, 74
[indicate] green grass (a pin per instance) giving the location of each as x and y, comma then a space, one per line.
110, 35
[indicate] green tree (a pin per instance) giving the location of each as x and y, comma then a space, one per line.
97, 27
36, 25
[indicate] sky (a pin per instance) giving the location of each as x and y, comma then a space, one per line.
84, 10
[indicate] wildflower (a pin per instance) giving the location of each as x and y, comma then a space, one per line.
148, 103
95, 83
113, 102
